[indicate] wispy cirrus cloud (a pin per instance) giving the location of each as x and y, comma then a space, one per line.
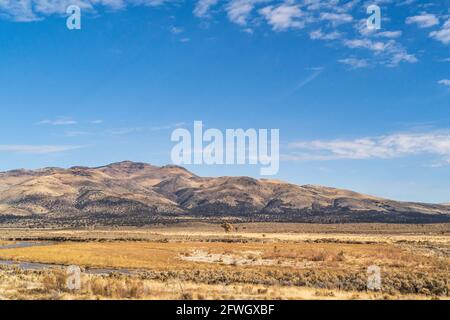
355, 63
34, 10
66, 122
444, 82
37, 149
202, 8
122, 131
324, 20
169, 126
389, 53
73, 134
442, 35
58, 122
379, 147
284, 16
424, 20
238, 11
377, 46
388, 34
336, 18
320, 35
176, 30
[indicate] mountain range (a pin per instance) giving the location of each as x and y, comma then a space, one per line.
130, 193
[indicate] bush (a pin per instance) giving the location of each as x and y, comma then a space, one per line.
55, 280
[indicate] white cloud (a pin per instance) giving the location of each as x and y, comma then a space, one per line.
58, 122
389, 53
203, 7
367, 44
425, 20
176, 30
280, 15
284, 16
238, 11
122, 131
388, 34
355, 63
39, 149
72, 134
33, 10
336, 18
442, 35
319, 35
444, 82
398, 56
361, 27
380, 147
169, 126
329, 5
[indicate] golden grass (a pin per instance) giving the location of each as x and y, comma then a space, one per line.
206, 264
252, 231
158, 256
49, 285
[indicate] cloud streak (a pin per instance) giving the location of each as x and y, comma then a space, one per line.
355, 63
203, 7
284, 16
325, 20
238, 11
169, 126
58, 122
37, 149
35, 10
442, 35
424, 20
444, 82
378, 147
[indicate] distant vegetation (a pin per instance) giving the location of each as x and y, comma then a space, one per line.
139, 194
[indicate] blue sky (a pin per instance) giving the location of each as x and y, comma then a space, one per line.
357, 109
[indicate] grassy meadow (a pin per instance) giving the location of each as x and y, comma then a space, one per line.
276, 261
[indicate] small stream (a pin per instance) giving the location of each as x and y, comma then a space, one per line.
25, 244
24, 265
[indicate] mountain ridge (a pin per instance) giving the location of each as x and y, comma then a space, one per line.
136, 193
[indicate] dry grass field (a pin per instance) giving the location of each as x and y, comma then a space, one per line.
254, 261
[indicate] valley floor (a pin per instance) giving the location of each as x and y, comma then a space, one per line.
251, 261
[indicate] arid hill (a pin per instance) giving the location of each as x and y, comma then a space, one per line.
129, 193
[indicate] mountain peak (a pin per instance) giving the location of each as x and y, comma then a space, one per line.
177, 170
136, 193
127, 165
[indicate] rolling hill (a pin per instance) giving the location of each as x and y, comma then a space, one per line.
129, 193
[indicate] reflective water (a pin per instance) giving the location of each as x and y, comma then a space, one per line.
24, 265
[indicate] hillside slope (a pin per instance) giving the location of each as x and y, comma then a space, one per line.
137, 193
